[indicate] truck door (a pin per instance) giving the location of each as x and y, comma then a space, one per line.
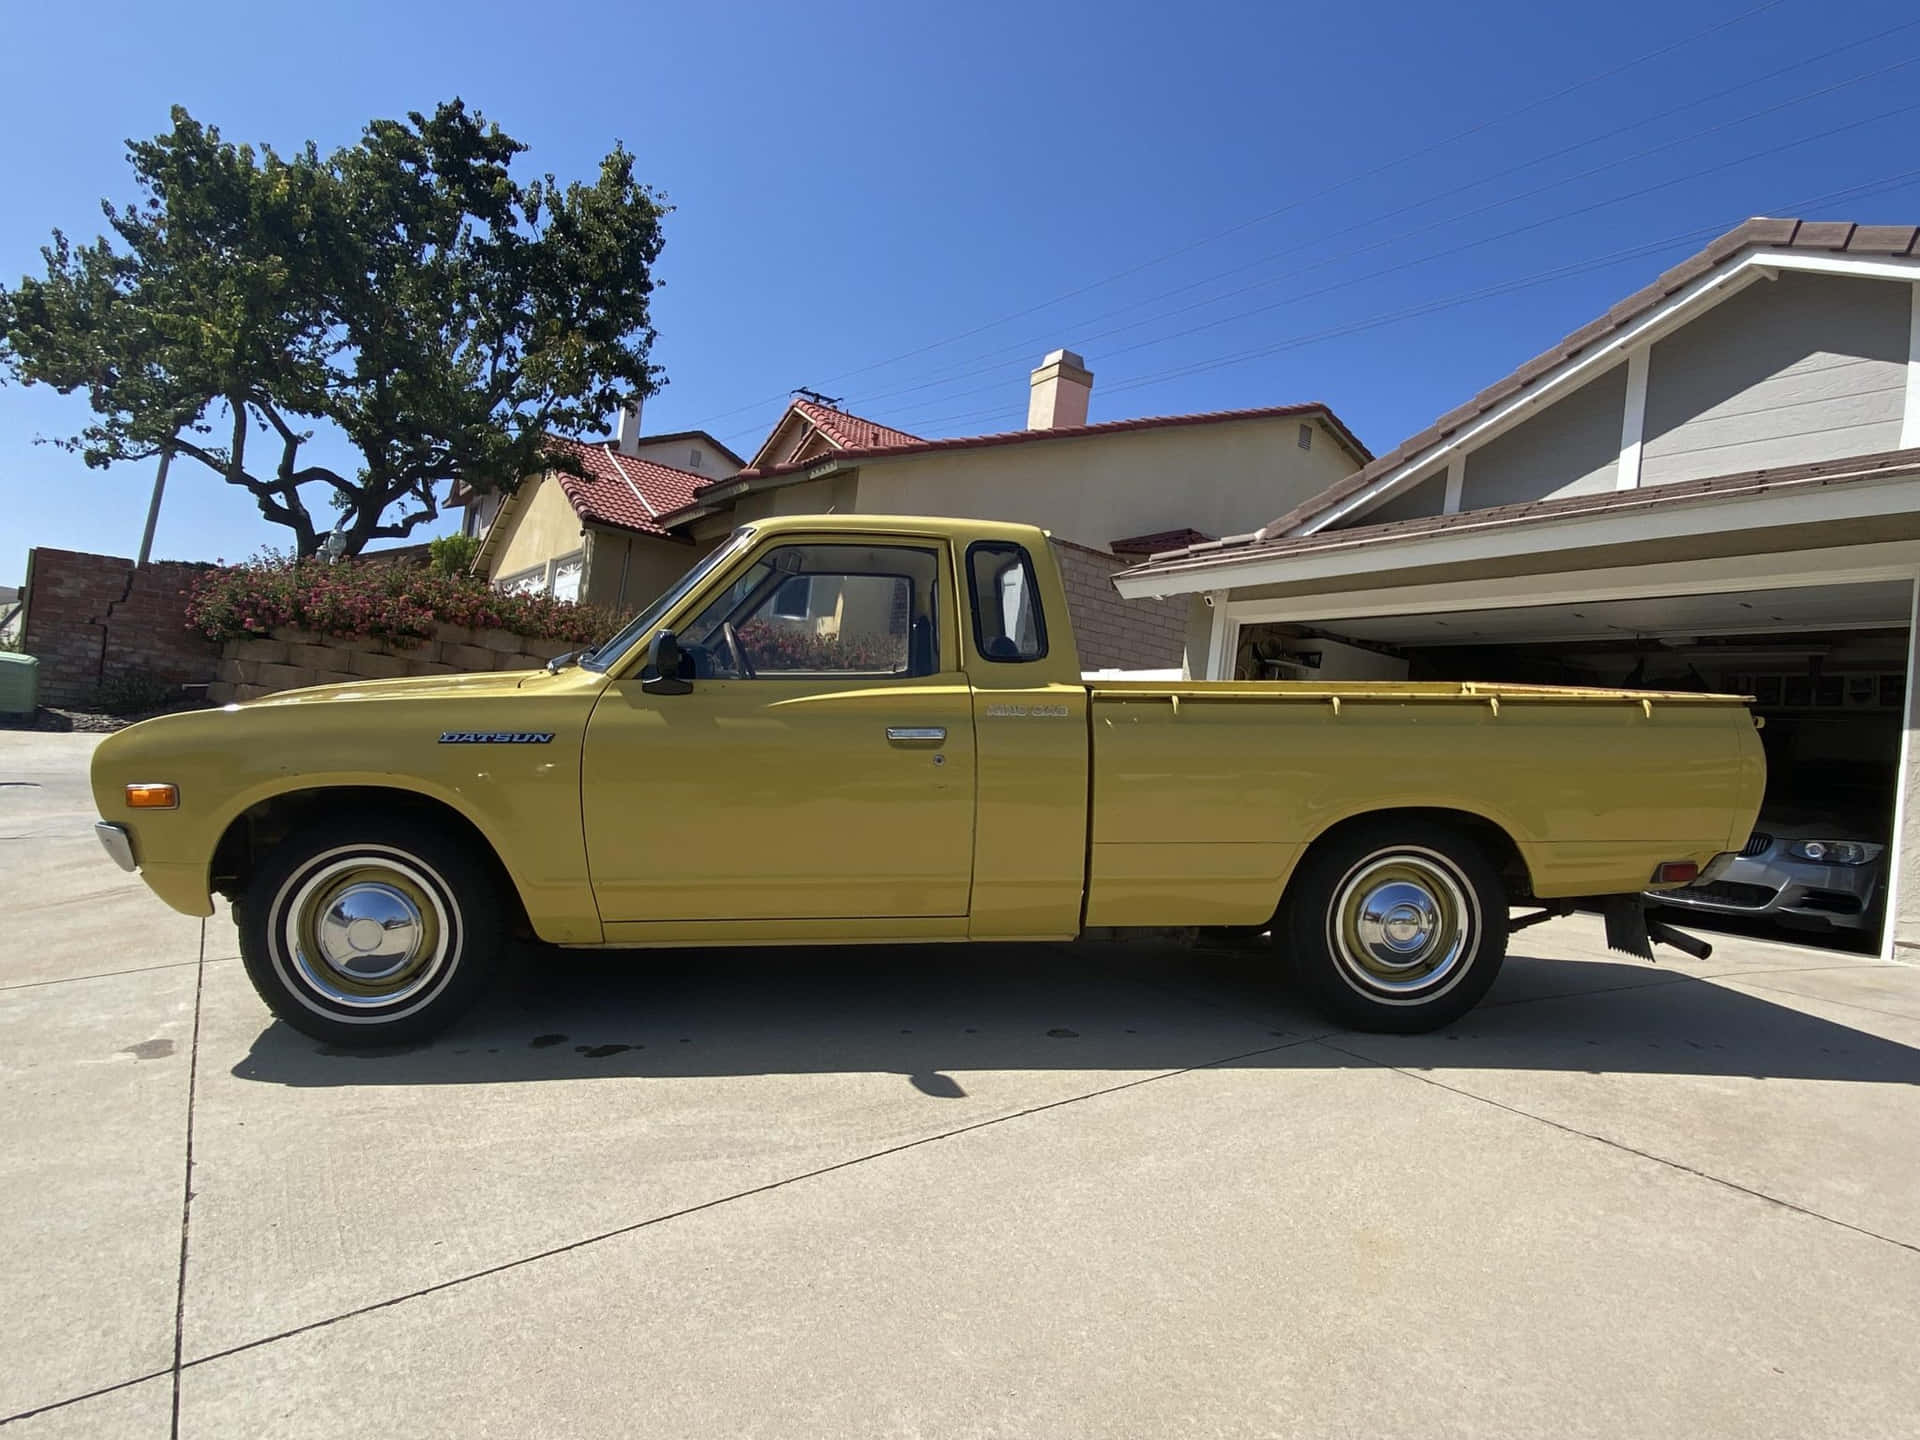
820, 767
1030, 720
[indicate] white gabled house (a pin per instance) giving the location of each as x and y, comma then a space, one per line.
1716, 484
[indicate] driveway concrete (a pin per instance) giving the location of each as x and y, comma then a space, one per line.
1019, 1191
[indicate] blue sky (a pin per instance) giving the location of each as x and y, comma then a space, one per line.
1382, 207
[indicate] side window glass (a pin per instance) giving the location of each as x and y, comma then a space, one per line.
1007, 623
825, 612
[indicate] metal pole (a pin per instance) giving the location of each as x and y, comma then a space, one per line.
153, 507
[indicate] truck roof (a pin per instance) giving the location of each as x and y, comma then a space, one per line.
944, 526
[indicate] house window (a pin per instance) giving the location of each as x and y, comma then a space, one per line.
794, 599
559, 577
524, 582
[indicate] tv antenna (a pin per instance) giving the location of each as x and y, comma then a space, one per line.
814, 395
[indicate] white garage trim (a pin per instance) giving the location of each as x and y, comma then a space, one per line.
1839, 565
1897, 857
1223, 640
1633, 423
1910, 416
1802, 502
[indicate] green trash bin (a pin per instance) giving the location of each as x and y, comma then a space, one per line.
19, 684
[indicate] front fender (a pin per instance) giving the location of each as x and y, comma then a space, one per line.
523, 799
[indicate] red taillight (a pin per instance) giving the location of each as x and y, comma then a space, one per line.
1676, 872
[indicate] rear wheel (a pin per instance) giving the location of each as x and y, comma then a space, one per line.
1396, 926
370, 933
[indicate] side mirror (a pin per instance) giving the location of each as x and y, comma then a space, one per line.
662, 674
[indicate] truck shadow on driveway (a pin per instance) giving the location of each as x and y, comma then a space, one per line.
934, 1013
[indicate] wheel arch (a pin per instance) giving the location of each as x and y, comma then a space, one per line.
257, 827
1498, 842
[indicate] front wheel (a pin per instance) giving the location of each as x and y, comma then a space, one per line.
364, 933
1397, 926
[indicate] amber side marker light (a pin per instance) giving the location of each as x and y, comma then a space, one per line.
151, 796
1676, 872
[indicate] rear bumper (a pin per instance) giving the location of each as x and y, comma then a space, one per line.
118, 843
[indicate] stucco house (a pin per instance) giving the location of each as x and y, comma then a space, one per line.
1716, 484
1109, 493
597, 536
1106, 492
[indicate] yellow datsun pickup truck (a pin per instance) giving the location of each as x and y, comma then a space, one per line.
840, 729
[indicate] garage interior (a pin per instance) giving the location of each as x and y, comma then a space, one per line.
1827, 666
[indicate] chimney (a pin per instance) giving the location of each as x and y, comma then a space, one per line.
626, 427
1059, 395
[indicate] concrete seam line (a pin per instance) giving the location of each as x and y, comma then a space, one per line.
186, 1186
1683, 1168
1822, 1000
110, 974
78, 1399
714, 1204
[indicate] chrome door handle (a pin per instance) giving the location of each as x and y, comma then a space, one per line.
910, 734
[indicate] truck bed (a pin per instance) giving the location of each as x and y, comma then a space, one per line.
1206, 793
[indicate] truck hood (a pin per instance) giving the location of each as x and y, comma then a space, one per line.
412, 687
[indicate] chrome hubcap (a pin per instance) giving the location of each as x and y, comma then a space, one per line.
1403, 925
366, 930
370, 930
1397, 921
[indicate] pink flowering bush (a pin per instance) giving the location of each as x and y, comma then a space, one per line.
782, 647
357, 600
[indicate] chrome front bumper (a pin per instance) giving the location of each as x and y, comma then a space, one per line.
118, 843
1774, 886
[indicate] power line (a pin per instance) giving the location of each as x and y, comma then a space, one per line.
1416, 154
1508, 234
1872, 187
1399, 237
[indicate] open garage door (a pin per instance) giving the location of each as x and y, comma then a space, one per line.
1827, 666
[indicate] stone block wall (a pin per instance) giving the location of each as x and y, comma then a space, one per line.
1117, 634
248, 669
94, 618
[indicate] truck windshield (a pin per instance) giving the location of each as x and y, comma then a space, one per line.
643, 623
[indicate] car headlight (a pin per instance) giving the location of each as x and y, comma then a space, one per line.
1832, 852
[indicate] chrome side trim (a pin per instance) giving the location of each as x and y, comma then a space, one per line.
118, 843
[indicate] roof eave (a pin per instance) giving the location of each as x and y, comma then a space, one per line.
1836, 493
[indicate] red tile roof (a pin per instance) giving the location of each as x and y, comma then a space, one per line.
911, 446
1763, 233
622, 490
850, 432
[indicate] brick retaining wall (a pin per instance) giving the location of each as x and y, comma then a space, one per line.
94, 618
248, 669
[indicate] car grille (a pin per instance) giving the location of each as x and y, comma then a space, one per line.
1727, 892
1757, 844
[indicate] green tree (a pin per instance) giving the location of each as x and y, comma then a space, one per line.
407, 294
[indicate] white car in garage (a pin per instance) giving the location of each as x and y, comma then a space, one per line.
1810, 869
